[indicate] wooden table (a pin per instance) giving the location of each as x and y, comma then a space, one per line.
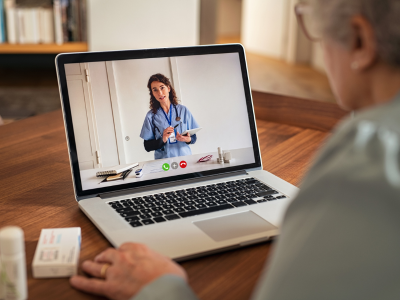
36, 192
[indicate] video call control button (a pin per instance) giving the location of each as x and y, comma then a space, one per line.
165, 167
174, 165
183, 164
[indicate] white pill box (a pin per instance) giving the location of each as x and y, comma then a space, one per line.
57, 253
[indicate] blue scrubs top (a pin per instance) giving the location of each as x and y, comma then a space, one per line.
159, 120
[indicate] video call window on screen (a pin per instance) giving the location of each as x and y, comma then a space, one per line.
164, 116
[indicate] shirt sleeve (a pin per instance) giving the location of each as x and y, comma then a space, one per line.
193, 139
167, 287
192, 124
191, 121
154, 144
147, 128
339, 238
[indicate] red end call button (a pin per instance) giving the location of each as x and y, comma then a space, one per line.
183, 164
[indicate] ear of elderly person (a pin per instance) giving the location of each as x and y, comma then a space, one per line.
340, 236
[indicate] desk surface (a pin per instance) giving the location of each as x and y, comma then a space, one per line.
36, 192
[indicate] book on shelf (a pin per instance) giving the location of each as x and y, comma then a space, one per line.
43, 21
58, 33
28, 31
35, 25
2, 23
11, 21
46, 27
73, 23
64, 19
82, 21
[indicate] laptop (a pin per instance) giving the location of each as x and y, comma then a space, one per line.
185, 197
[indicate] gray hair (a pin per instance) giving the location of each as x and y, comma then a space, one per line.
384, 15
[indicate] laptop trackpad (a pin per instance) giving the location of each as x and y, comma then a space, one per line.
234, 226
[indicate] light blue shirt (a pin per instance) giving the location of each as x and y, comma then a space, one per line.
160, 121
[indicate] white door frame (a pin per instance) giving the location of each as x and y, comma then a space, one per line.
116, 112
90, 116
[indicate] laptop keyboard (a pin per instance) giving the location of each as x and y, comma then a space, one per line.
190, 202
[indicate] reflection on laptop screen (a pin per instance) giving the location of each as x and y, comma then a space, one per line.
121, 116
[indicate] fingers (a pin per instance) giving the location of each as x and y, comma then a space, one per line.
132, 247
135, 251
181, 136
90, 285
92, 268
109, 255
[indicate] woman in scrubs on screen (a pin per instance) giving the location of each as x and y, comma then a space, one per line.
166, 120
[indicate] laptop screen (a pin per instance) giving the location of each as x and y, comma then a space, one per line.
140, 120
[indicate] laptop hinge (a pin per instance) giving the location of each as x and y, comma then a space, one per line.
169, 184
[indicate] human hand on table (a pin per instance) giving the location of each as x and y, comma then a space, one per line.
131, 267
183, 138
167, 132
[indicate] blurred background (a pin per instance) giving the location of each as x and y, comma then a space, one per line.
32, 32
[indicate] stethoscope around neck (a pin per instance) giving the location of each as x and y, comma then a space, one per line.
178, 118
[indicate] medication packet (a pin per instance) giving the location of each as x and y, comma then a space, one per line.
57, 253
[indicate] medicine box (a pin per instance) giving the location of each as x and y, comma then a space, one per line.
57, 253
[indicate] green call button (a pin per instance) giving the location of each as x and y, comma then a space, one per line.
165, 167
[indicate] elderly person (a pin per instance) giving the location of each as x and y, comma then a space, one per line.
340, 237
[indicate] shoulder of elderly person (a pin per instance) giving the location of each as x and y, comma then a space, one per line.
372, 134
339, 239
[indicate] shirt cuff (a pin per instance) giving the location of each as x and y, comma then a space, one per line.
193, 139
167, 287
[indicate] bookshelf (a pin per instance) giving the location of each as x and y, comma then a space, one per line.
43, 48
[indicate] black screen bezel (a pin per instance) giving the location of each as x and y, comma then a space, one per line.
86, 57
